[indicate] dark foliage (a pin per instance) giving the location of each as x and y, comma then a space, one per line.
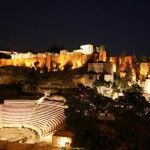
5, 56
132, 122
130, 129
82, 117
55, 48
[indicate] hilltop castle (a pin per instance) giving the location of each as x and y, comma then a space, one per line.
77, 58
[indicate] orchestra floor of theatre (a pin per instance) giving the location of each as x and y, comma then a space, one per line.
4, 145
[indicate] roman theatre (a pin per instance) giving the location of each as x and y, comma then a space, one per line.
30, 121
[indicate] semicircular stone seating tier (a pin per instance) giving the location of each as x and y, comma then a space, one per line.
43, 118
15, 134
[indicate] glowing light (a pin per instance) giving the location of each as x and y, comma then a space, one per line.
144, 69
64, 141
147, 86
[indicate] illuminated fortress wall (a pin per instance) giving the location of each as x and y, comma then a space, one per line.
127, 63
144, 70
75, 59
52, 61
124, 63
102, 55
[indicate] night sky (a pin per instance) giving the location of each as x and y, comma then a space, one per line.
121, 25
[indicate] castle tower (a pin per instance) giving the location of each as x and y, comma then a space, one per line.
87, 49
102, 53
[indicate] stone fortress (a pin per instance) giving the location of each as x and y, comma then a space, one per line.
52, 61
77, 58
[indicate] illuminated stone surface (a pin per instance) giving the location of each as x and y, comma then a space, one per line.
42, 119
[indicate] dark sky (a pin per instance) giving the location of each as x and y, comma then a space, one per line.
122, 25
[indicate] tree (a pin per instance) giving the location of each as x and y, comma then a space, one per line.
130, 111
130, 127
36, 65
128, 76
143, 58
119, 85
68, 67
85, 106
45, 73
55, 49
133, 102
101, 47
5, 56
